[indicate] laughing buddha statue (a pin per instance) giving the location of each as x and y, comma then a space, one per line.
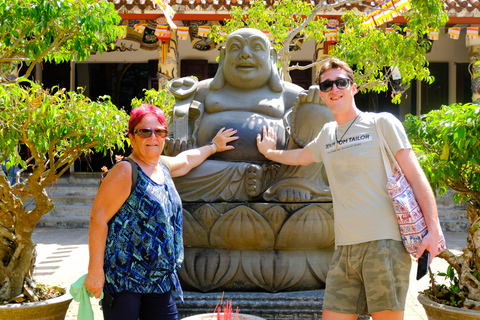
246, 94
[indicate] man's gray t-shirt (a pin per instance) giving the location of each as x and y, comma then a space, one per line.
357, 178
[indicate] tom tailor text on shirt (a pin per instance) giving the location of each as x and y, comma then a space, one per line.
346, 141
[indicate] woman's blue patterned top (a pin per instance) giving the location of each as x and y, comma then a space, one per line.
144, 243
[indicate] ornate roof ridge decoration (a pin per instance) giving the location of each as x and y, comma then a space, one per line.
458, 8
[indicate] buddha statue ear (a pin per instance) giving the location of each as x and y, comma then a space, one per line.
218, 81
274, 83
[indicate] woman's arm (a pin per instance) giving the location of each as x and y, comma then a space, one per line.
111, 195
189, 159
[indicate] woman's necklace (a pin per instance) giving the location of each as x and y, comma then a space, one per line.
343, 135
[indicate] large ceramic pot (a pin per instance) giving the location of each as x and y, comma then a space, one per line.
214, 316
51, 309
437, 311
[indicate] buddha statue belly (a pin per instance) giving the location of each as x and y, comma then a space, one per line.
238, 174
247, 112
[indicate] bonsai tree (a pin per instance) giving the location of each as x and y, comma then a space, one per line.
447, 144
374, 50
43, 131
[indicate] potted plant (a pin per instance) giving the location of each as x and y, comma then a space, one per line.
43, 131
447, 143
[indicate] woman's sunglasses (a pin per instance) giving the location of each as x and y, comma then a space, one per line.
147, 133
341, 83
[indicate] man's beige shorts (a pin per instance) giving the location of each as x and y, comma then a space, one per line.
368, 277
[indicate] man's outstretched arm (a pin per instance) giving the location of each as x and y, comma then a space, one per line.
267, 147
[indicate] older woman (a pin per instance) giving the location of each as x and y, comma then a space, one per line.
135, 236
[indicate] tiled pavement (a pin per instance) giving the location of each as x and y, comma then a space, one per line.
62, 257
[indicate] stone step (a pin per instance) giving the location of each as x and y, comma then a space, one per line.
73, 190
70, 211
68, 200
73, 196
454, 225
63, 222
92, 178
452, 216
450, 213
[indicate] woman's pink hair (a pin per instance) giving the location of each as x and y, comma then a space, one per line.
137, 115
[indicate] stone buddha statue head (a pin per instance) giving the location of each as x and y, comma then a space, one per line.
247, 61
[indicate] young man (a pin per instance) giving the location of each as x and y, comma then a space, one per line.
370, 267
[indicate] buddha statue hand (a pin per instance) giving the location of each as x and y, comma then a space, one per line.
174, 146
312, 95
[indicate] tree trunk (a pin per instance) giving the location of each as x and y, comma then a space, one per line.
17, 250
471, 254
284, 64
20, 267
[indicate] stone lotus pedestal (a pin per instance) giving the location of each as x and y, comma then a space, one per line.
256, 247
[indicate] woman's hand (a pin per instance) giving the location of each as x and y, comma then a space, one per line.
94, 282
223, 137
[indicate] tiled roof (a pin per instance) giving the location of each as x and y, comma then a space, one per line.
459, 5
219, 4
452, 6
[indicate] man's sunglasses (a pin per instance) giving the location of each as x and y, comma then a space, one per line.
147, 133
341, 83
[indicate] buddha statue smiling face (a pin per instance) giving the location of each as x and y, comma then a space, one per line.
247, 61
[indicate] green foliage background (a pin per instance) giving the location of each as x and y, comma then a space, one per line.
447, 144
59, 31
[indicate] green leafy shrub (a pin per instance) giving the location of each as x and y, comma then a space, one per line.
163, 99
447, 144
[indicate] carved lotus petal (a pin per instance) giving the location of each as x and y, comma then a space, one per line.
275, 216
206, 215
207, 269
194, 234
309, 228
242, 228
274, 270
319, 262
330, 211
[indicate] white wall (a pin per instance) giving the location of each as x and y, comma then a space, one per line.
140, 55
187, 52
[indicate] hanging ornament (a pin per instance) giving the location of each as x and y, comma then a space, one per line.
164, 37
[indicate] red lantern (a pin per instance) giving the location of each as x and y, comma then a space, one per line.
164, 37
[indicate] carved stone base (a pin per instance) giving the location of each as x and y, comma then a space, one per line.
285, 306
256, 247
305, 305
